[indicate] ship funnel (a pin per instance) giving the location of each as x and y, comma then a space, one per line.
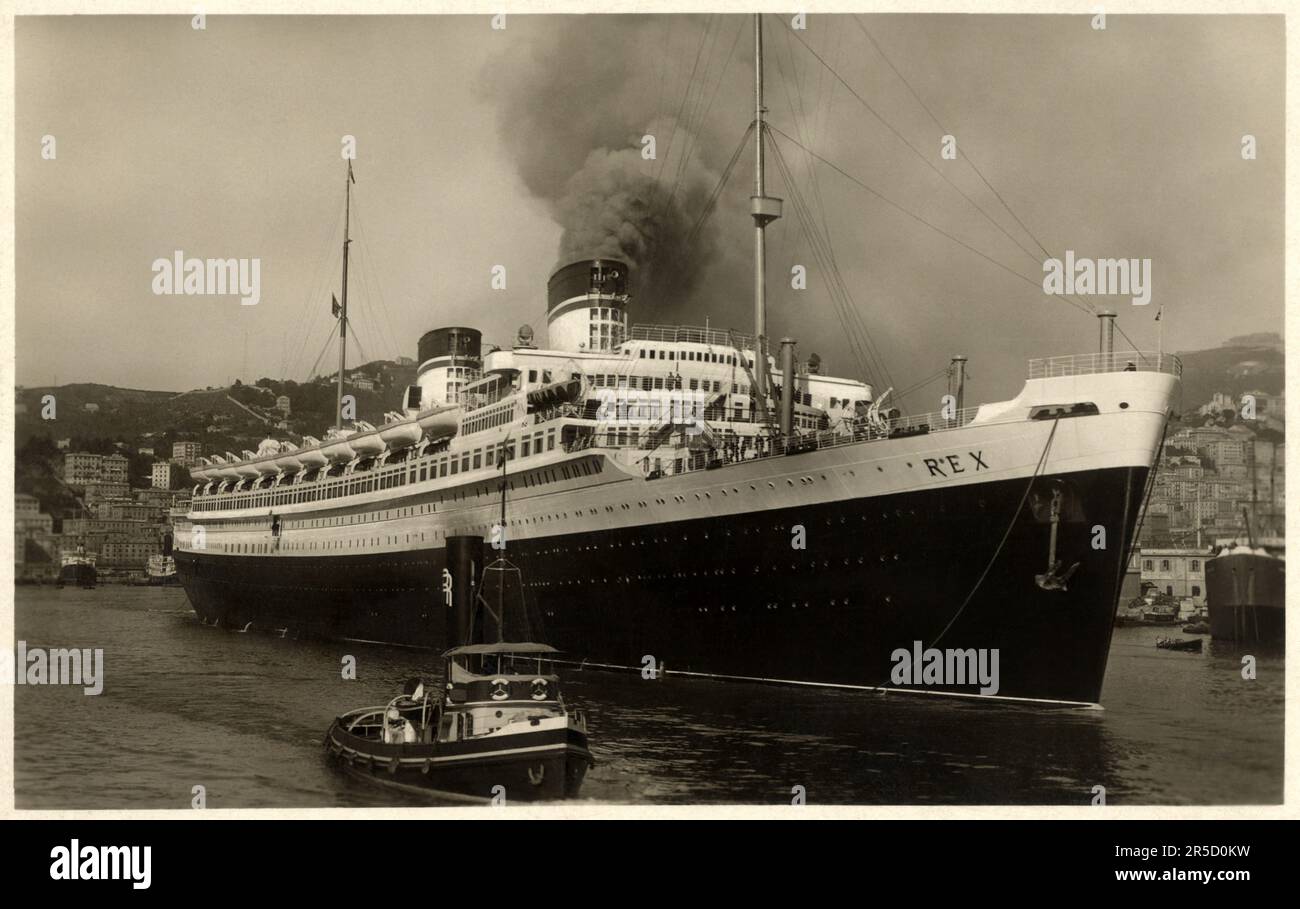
449, 358
586, 305
460, 580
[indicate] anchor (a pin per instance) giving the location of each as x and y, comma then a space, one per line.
1053, 579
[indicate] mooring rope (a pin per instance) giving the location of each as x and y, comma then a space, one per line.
1042, 462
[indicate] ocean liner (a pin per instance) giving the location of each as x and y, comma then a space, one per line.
688, 496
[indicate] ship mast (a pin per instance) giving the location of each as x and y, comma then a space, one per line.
343, 312
764, 210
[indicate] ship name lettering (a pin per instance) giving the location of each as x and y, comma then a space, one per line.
954, 464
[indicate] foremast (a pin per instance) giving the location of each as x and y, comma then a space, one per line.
343, 310
764, 209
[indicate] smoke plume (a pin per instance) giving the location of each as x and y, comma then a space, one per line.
572, 117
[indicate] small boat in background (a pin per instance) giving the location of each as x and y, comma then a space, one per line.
160, 571
1190, 645
78, 568
1197, 628
1245, 590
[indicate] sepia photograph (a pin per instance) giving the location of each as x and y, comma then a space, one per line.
621, 411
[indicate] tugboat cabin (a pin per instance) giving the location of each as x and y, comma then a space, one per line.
491, 686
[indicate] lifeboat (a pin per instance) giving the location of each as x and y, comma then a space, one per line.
310, 454
267, 455
288, 462
554, 394
401, 435
367, 440
202, 470
439, 421
244, 466
338, 450
222, 468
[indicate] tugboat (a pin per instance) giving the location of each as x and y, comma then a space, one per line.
501, 727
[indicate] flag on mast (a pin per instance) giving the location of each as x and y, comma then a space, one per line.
350, 176
334, 306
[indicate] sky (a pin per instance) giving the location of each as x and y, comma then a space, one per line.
479, 147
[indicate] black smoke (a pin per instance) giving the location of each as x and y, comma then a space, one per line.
572, 115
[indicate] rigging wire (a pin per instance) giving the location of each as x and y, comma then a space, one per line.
311, 373
314, 290
711, 205
864, 351
1115, 322
1042, 463
817, 247
882, 197
928, 163
368, 259
819, 208
921, 384
356, 336
693, 134
961, 149
690, 84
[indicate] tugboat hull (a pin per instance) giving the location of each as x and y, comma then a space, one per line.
548, 765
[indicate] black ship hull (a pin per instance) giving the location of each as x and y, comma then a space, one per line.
1245, 593
735, 597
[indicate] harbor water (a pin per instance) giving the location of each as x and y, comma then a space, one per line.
243, 715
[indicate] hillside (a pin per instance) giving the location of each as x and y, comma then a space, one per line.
1233, 370
232, 418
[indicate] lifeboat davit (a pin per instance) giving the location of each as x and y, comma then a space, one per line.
439, 421
310, 454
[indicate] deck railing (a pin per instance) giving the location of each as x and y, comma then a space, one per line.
731, 452
1094, 363
690, 334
